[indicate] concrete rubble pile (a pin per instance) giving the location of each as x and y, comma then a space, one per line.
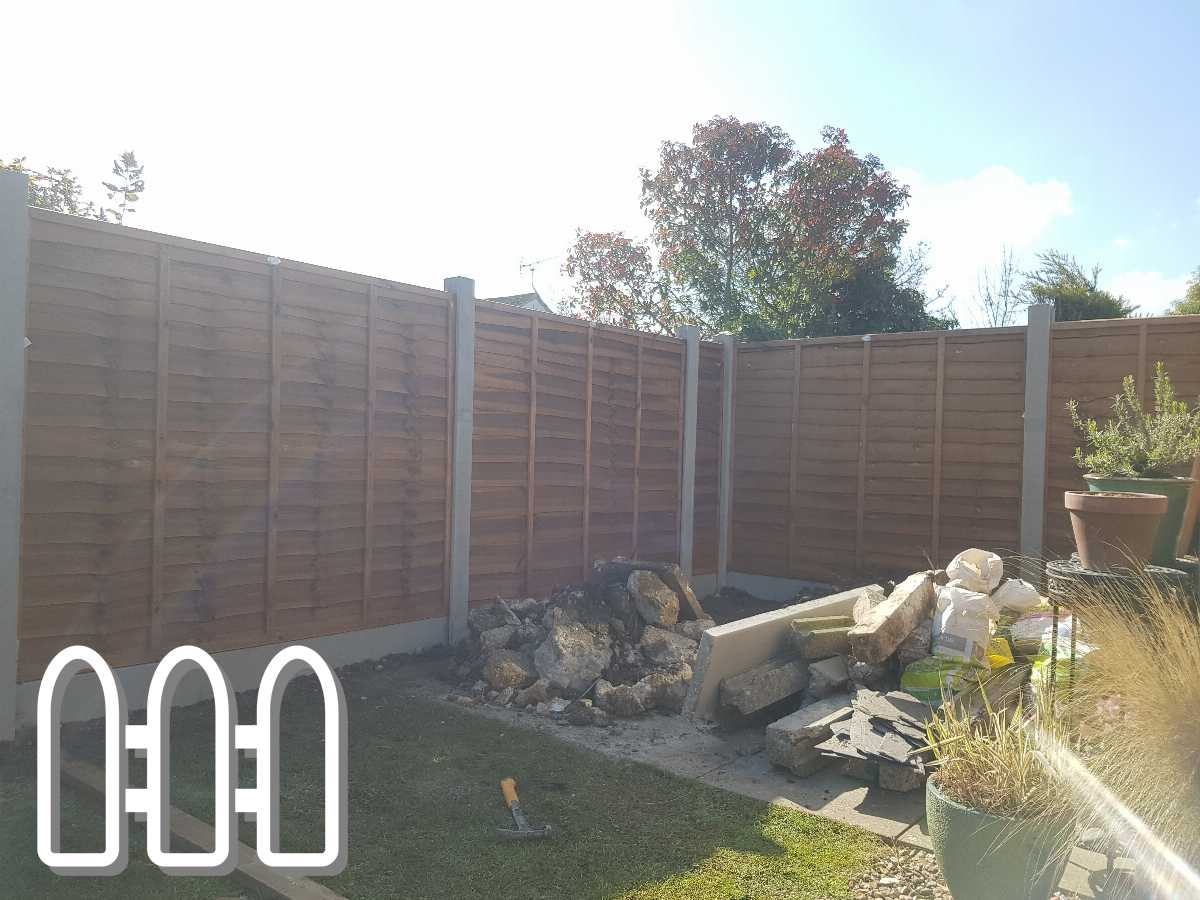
621, 645
859, 674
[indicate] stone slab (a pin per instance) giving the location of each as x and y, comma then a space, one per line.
815, 643
735, 647
774, 680
827, 676
876, 638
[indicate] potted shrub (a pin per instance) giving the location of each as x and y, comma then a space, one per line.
1141, 452
997, 816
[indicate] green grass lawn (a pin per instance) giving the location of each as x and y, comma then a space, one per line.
425, 803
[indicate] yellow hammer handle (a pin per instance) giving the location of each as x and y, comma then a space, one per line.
509, 787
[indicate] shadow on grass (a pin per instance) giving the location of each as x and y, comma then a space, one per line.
425, 805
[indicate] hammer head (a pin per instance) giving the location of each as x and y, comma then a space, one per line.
528, 833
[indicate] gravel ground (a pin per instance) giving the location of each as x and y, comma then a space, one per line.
904, 873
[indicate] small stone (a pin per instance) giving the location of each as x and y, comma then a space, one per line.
579, 712
504, 697
624, 701
529, 633
871, 675
656, 603
538, 692
694, 629
557, 705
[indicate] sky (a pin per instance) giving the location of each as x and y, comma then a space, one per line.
418, 142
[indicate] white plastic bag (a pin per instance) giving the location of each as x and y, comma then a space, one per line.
962, 627
976, 570
1017, 596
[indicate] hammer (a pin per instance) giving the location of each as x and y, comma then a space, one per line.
523, 830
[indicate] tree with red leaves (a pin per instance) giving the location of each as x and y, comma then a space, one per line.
752, 238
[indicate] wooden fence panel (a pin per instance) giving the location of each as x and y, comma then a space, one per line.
1088, 361
198, 443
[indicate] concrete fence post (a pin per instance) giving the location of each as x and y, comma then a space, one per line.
1033, 456
690, 335
463, 291
14, 270
725, 495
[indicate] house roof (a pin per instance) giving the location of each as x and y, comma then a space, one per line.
531, 300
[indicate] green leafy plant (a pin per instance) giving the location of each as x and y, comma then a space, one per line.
1135, 443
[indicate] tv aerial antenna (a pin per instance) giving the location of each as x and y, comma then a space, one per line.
532, 266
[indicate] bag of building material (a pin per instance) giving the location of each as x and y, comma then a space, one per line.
1031, 632
976, 570
962, 625
1040, 676
1016, 596
934, 679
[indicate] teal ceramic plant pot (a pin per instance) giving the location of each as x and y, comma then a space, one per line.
1176, 492
986, 857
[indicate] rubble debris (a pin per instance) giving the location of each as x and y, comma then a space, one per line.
572, 656
827, 676
666, 648
820, 641
737, 647
509, 668
765, 684
917, 645
792, 740
619, 570
871, 675
884, 731
875, 638
592, 643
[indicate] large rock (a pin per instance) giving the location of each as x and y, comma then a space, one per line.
665, 648
508, 668
538, 692
496, 638
792, 740
665, 690
763, 685
572, 656
878, 635
656, 603
694, 629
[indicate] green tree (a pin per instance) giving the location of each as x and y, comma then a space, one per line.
59, 190
710, 204
1189, 303
1075, 293
750, 237
127, 190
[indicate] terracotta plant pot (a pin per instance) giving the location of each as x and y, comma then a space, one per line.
1114, 528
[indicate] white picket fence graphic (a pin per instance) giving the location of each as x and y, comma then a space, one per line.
261, 738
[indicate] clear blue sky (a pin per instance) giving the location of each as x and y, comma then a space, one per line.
421, 141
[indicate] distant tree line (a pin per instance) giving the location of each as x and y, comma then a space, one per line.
60, 190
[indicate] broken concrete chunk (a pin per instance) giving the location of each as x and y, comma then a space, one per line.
897, 777
871, 675
827, 676
496, 638
765, 684
656, 603
820, 643
870, 598
538, 692
791, 740
878, 635
508, 668
485, 618
665, 648
693, 630
572, 656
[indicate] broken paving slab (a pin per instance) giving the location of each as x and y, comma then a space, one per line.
791, 741
736, 647
774, 680
886, 626
827, 676
815, 642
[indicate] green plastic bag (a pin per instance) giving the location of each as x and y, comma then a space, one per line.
934, 678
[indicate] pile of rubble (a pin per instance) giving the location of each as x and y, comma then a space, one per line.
934, 636
621, 645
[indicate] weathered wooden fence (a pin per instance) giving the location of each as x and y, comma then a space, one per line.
227, 449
